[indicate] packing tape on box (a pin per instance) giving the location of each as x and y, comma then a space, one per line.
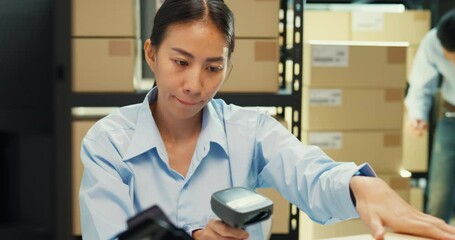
396, 55
120, 48
265, 51
394, 95
421, 15
399, 183
392, 140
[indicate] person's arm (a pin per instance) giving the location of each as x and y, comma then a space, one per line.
379, 207
423, 83
303, 174
105, 200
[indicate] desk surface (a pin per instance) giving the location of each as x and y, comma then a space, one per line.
388, 236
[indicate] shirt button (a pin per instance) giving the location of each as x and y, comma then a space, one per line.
186, 227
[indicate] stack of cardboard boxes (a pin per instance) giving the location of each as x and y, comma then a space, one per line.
104, 45
256, 54
104, 59
353, 94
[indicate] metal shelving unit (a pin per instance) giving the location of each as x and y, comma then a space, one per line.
288, 96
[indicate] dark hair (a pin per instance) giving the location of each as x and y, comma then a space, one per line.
446, 31
186, 11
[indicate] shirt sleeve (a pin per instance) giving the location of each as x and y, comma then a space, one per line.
304, 174
105, 201
423, 80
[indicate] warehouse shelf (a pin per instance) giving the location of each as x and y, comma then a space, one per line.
282, 98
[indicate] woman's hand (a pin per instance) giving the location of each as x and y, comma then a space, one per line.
379, 207
216, 229
417, 127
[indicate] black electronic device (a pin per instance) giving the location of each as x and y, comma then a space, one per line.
152, 224
240, 207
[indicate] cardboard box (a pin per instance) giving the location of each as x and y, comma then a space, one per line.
358, 146
255, 19
354, 64
311, 230
416, 198
352, 109
281, 210
103, 65
104, 18
409, 26
327, 25
79, 129
415, 150
388, 236
255, 66
401, 185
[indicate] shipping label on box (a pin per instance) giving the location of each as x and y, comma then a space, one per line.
351, 64
409, 26
357, 146
330, 56
367, 21
360, 109
325, 97
326, 140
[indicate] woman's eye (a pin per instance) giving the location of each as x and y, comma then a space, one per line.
181, 63
215, 69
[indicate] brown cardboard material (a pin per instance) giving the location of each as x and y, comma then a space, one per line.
409, 26
357, 146
311, 230
388, 236
350, 109
103, 18
326, 25
265, 51
392, 140
354, 64
399, 184
394, 95
103, 65
255, 66
415, 150
416, 196
262, 24
396, 55
281, 210
79, 129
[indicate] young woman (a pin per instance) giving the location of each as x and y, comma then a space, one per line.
180, 145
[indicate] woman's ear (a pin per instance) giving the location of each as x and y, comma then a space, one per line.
150, 54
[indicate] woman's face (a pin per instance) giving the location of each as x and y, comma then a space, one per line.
189, 67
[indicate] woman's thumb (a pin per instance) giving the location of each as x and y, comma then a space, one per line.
377, 229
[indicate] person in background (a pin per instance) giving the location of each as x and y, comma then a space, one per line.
436, 57
179, 146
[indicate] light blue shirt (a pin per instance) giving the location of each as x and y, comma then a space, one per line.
429, 62
127, 169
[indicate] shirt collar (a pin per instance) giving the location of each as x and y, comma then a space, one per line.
147, 136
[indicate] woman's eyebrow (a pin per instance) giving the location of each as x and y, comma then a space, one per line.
189, 55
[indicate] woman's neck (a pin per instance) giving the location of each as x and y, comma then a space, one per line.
174, 129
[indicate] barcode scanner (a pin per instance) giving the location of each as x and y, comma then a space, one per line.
240, 207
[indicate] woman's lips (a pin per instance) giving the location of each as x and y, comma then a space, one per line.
185, 102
